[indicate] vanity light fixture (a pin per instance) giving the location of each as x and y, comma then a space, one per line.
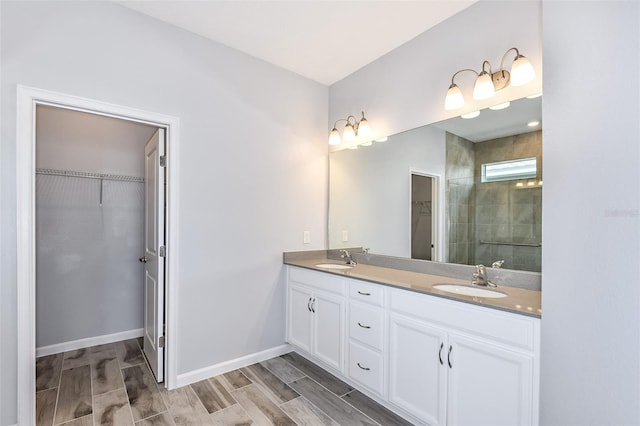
487, 81
533, 123
353, 128
382, 139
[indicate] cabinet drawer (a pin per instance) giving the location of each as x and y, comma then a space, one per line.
319, 280
366, 324
369, 293
366, 367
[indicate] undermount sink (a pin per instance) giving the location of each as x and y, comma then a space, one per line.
467, 290
334, 266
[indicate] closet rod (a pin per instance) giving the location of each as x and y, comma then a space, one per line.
88, 175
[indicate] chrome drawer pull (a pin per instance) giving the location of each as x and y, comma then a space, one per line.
364, 294
364, 326
364, 368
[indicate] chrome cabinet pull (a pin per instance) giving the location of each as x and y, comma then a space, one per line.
313, 305
364, 368
440, 353
364, 294
364, 326
143, 259
309, 305
449, 357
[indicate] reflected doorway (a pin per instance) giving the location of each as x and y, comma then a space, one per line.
422, 216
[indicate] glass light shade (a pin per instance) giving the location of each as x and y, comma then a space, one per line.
364, 131
483, 88
348, 134
521, 71
367, 143
454, 99
382, 139
334, 137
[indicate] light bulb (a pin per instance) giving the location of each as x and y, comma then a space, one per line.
348, 134
334, 137
483, 88
454, 99
521, 71
364, 131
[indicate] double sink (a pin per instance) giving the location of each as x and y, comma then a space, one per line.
459, 289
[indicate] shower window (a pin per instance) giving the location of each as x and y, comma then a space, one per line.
522, 168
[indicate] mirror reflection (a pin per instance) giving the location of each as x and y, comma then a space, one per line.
461, 191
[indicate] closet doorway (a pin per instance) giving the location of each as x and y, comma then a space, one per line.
99, 214
424, 207
107, 190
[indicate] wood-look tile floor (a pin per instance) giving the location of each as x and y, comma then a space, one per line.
112, 385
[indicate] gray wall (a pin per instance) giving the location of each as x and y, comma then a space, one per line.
591, 230
591, 224
253, 163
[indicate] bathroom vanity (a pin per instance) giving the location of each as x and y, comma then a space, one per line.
433, 356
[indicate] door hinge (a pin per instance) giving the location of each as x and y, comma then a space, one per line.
161, 342
162, 251
163, 161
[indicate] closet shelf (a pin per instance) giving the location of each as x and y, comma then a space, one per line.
88, 175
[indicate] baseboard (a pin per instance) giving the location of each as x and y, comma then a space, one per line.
233, 364
88, 342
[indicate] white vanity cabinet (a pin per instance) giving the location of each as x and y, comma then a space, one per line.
316, 315
432, 360
457, 364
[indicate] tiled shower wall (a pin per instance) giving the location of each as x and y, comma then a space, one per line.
498, 212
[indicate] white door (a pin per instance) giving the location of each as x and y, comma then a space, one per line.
300, 317
417, 369
328, 324
488, 384
154, 260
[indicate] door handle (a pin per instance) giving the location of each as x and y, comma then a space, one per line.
364, 326
309, 305
313, 305
144, 259
449, 357
440, 353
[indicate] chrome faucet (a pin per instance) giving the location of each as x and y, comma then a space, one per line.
346, 255
497, 264
480, 277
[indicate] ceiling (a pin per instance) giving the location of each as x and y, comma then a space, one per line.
497, 124
321, 40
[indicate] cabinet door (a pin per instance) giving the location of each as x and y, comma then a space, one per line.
299, 317
417, 369
488, 384
328, 324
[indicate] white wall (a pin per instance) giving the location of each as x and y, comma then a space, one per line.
369, 190
73, 140
406, 88
591, 150
591, 219
253, 163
